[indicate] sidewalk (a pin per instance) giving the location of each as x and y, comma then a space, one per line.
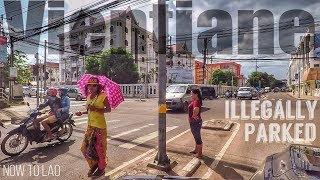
183, 163
303, 96
13, 113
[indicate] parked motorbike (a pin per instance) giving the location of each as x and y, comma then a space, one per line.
18, 139
228, 95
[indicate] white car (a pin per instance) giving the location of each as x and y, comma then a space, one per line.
247, 93
33, 92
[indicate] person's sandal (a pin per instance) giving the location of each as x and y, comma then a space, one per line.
92, 170
98, 173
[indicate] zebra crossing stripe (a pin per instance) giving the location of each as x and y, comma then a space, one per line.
144, 139
131, 131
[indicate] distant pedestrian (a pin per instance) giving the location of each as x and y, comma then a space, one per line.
196, 121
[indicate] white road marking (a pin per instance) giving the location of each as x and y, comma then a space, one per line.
84, 122
131, 131
125, 164
75, 105
221, 153
144, 139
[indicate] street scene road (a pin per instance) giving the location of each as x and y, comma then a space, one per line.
159, 89
132, 137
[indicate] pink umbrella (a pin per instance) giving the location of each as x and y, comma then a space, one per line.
112, 89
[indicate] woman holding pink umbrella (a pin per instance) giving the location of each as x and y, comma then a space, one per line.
94, 145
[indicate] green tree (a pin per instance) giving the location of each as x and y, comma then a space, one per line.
223, 77
261, 78
24, 72
115, 63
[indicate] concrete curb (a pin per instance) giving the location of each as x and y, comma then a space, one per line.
190, 168
304, 98
170, 167
221, 125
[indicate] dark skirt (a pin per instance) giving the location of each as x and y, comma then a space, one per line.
195, 126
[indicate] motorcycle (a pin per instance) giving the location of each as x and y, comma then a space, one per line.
1, 125
18, 139
228, 95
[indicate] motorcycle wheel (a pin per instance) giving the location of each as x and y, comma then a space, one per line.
66, 134
14, 141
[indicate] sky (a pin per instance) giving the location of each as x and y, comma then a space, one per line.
277, 7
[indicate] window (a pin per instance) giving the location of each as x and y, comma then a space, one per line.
128, 17
111, 42
133, 29
126, 42
126, 29
142, 48
119, 24
142, 37
316, 65
142, 59
111, 29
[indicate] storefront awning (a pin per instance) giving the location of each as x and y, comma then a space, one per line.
311, 74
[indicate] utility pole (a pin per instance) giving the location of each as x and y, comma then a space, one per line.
37, 76
299, 79
11, 65
256, 65
162, 158
45, 66
204, 59
1, 65
65, 71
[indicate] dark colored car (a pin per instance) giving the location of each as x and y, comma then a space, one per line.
208, 92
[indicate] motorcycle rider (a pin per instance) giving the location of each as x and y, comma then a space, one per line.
61, 114
54, 103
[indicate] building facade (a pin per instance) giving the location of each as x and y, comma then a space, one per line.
304, 67
210, 68
179, 64
93, 35
53, 74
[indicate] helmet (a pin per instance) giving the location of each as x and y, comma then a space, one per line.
52, 91
63, 91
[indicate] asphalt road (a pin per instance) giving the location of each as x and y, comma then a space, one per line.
132, 131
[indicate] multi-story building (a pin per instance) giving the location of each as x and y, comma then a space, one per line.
304, 66
93, 35
53, 74
210, 68
179, 64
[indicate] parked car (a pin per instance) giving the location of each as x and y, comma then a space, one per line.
247, 93
208, 92
76, 94
295, 162
26, 90
178, 96
33, 92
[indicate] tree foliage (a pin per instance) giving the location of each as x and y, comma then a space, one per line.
115, 63
20, 62
261, 78
223, 78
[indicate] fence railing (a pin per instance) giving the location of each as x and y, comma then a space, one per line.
140, 90
151, 90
